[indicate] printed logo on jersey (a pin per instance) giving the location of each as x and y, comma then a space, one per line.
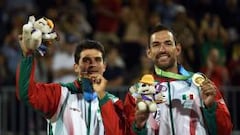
188, 99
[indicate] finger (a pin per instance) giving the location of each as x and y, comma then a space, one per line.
209, 92
103, 80
97, 78
207, 81
208, 87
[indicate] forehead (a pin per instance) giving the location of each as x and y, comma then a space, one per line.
90, 53
161, 36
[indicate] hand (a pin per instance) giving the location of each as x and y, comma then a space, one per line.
208, 92
141, 118
99, 84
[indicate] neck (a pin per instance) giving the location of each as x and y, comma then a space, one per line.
173, 69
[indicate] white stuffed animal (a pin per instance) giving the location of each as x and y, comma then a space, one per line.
37, 34
144, 91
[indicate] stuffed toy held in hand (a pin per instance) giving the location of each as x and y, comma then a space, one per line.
38, 34
146, 93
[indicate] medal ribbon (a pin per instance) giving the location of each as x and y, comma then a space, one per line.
162, 73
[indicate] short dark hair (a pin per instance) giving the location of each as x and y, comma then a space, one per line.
158, 28
88, 44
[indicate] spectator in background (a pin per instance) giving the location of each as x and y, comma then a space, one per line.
62, 63
107, 21
167, 10
115, 67
185, 26
4, 18
53, 13
214, 70
230, 14
154, 19
212, 34
74, 23
234, 64
5, 77
135, 32
21, 5
77, 6
11, 52
43, 70
137, 72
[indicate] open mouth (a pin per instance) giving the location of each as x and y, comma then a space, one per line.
163, 57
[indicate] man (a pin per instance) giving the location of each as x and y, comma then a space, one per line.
81, 107
189, 109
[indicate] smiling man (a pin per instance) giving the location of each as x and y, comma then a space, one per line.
189, 109
82, 107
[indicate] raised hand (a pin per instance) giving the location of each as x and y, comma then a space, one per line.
208, 92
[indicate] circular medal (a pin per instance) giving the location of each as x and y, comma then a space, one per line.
198, 79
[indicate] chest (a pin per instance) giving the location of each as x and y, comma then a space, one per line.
78, 107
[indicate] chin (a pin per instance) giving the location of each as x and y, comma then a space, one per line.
164, 66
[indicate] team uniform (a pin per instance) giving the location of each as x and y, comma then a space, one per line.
65, 108
184, 112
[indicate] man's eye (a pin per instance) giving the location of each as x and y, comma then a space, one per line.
155, 45
86, 60
98, 59
168, 43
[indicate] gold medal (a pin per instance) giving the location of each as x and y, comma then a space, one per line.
198, 79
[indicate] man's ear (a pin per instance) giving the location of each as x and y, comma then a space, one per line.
76, 68
104, 66
148, 53
178, 49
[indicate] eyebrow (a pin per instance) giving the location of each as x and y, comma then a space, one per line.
88, 57
166, 41
92, 57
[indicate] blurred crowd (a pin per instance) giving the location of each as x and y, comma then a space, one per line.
208, 31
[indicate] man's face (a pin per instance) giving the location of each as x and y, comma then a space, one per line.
163, 51
90, 62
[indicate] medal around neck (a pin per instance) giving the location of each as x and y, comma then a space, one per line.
198, 79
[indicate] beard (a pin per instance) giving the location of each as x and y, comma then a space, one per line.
165, 65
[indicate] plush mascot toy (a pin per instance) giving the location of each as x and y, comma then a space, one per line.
38, 34
147, 94
144, 92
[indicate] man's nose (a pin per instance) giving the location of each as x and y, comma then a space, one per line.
92, 62
162, 48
